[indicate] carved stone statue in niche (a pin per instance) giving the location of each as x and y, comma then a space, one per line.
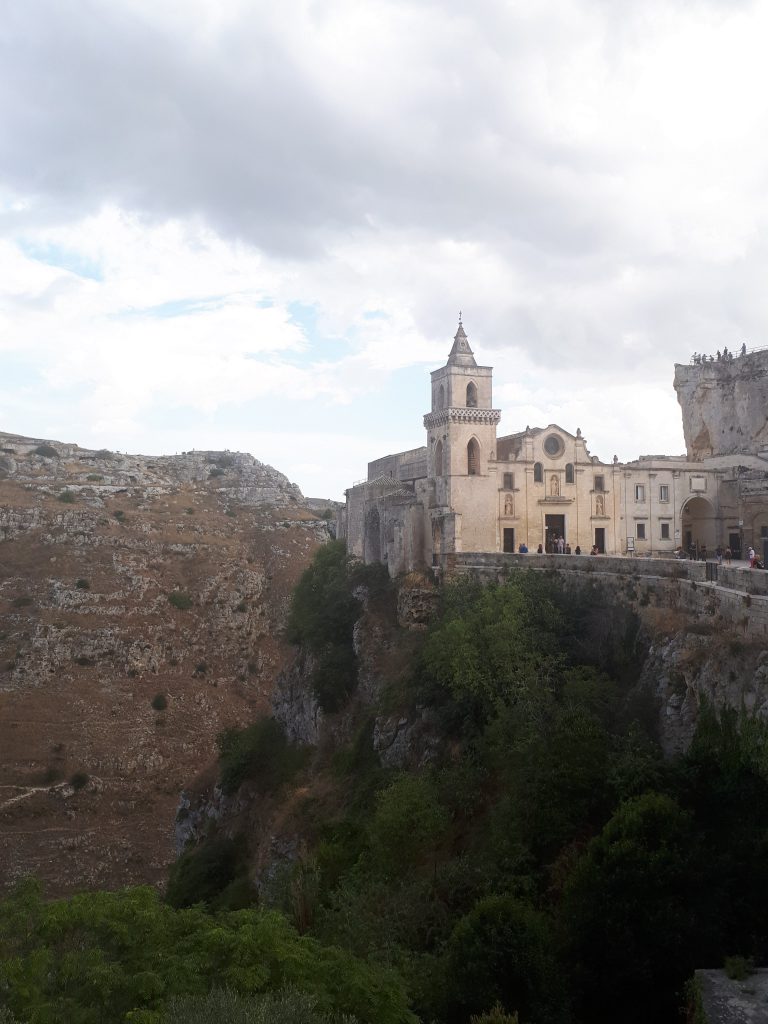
509, 505
554, 486
599, 505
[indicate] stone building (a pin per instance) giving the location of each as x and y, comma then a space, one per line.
468, 490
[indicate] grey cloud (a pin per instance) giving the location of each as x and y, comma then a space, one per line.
100, 105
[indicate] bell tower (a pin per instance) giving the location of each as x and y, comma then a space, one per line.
461, 446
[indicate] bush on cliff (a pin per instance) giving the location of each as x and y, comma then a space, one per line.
323, 610
202, 873
260, 754
322, 619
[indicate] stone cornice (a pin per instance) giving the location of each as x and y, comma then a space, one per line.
442, 417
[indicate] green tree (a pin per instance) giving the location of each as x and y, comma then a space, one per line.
629, 911
502, 952
103, 958
493, 646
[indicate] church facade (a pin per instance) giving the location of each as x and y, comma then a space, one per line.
468, 490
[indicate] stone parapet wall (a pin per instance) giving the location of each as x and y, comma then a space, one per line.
677, 585
663, 567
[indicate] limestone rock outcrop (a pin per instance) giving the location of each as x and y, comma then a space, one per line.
724, 405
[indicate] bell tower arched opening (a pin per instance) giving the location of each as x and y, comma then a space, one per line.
473, 457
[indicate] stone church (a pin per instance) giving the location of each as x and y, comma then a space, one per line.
467, 490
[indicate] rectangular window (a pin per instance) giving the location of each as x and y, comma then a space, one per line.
599, 483
663, 492
639, 492
641, 531
665, 531
509, 481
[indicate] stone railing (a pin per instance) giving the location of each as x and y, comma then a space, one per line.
737, 578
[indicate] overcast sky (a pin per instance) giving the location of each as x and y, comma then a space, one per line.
251, 225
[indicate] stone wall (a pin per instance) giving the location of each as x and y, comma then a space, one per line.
738, 600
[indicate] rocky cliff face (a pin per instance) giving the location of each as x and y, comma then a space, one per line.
142, 602
724, 405
688, 669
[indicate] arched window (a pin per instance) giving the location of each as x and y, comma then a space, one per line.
471, 395
441, 398
538, 473
569, 472
439, 458
473, 458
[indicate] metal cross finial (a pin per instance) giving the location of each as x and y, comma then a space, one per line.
459, 318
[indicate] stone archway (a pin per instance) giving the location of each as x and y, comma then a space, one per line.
699, 524
760, 534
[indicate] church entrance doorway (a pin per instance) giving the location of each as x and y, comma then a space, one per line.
509, 540
554, 527
734, 543
600, 539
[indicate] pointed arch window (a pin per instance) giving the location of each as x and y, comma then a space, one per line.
471, 395
441, 398
538, 473
439, 458
569, 472
473, 458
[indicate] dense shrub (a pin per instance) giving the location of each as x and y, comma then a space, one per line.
79, 780
261, 754
83, 584
226, 1007
202, 873
67, 497
180, 600
47, 451
323, 609
334, 677
322, 617
159, 702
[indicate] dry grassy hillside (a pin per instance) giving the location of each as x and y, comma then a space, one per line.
141, 611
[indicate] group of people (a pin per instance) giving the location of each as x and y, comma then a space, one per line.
754, 561
722, 357
559, 547
699, 552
